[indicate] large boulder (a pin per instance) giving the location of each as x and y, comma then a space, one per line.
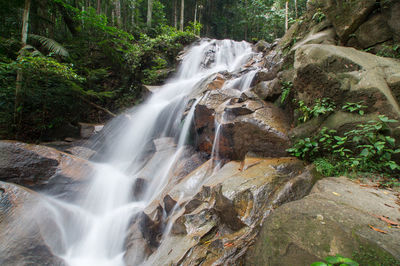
391, 11
338, 217
374, 31
347, 75
346, 16
239, 125
213, 214
21, 220
42, 168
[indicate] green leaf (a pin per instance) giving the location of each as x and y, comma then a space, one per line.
319, 264
364, 152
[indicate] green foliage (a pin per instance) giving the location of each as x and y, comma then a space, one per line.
318, 16
392, 51
50, 44
336, 260
366, 148
354, 107
321, 107
286, 88
46, 100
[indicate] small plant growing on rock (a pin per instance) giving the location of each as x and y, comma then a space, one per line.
286, 88
321, 107
336, 260
354, 107
318, 16
365, 149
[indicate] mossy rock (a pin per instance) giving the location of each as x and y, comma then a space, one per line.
334, 219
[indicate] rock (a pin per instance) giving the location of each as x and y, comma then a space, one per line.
42, 168
21, 219
263, 46
249, 126
347, 75
391, 11
88, 130
374, 31
264, 75
336, 218
317, 37
217, 83
81, 152
268, 90
221, 210
347, 16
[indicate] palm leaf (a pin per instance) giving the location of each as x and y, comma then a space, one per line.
50, 45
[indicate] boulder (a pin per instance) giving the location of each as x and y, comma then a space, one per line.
88, 130
391, 11
268, 90
240, 126
373, 31
347, 16
347, 75
217, 212
21, 220
42, 168
338, 217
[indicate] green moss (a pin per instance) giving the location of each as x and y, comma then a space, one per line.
370, 254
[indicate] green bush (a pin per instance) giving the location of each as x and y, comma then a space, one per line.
367, 148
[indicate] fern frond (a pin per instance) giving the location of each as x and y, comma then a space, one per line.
50, 45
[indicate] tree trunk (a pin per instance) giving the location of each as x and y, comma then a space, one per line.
182, 14
286, 15
149, 12
175, 14
98, 7
195, 17
118, 12
295, 8
24, 38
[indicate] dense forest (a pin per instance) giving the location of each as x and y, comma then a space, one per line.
65, 61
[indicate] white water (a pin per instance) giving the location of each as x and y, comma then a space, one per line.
93, 229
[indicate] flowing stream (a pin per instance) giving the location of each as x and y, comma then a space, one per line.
93, 228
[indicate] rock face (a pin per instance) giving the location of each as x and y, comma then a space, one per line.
347, 75
216, 212
39, 167
336, 218
241, 125
22, 242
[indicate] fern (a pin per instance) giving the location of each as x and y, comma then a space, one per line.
50, 45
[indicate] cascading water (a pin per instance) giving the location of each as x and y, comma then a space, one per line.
92, 230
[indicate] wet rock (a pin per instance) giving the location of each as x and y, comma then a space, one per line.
139, 188
81, 152
137, 247
219, 219
22, 242
336, 218
248, 126
268, 90
263, 46
88, 130
217, 83
42, 168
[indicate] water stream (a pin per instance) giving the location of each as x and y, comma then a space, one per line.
93, 228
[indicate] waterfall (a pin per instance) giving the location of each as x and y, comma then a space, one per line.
92, 229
